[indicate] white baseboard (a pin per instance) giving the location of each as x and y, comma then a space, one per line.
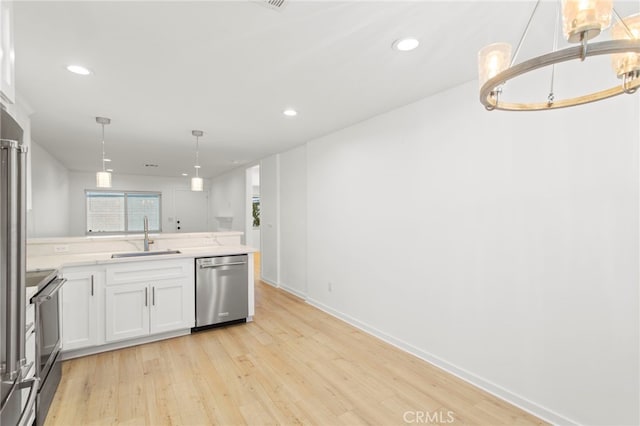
64, 355
268, 281
486, 385
295, 292
286, 288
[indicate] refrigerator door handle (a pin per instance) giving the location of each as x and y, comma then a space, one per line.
12, 187
31, 400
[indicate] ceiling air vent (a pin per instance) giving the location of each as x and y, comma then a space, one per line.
273, 4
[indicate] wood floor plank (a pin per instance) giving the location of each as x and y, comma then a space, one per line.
294, 365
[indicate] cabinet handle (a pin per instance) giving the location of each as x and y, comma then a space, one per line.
146, 296
92, 284
153, 296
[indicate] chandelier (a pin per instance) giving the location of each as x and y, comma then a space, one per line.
582, 20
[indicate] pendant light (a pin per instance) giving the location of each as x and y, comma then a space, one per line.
197, 184
103, 178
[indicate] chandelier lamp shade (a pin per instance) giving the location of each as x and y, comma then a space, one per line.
103, 177
197, 183
582, 21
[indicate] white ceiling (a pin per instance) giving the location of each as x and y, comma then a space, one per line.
161, 69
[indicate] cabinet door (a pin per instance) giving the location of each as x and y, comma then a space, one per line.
172, 305
79, 309
127, 311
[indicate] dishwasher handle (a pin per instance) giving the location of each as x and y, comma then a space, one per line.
219, 265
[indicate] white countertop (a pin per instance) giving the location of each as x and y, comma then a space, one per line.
59, 261
136, 236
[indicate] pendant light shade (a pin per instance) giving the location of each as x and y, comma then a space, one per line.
585, 19
626, 64
197, 184
103, 178
493, 59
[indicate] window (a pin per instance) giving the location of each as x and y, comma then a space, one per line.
117, 212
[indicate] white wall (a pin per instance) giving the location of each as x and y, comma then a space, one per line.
47, 182
228, 201
269, 230
49, 216
293, 221
80, 181
255, 238
501, 246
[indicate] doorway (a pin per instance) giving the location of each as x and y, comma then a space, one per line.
191, 210
252, 227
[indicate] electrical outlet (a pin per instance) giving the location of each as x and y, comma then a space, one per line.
330, 286
61, 248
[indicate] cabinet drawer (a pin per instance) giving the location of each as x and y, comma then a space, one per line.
137, 272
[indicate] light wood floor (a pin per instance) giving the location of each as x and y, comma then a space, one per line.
293, 365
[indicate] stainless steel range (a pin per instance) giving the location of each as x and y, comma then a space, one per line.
47, 321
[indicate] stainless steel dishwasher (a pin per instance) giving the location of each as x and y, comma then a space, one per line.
222, 290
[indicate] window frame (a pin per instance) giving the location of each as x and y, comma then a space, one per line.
126, 211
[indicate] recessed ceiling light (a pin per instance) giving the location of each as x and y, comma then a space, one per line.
290, 112
108, 160
109, 170
78, 69
405, 44
185, 174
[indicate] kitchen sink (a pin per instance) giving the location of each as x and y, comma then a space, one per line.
144, 253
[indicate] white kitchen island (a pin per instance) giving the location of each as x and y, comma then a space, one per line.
110, 303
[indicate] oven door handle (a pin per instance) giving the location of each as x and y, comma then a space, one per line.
50, 290
31, 400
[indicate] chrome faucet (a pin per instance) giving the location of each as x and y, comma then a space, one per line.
147, 241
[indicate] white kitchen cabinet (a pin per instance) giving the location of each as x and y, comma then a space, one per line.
146, 298
127, 314
81, 313
172, 306
7, 55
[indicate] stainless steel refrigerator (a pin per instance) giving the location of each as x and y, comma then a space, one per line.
17, 404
